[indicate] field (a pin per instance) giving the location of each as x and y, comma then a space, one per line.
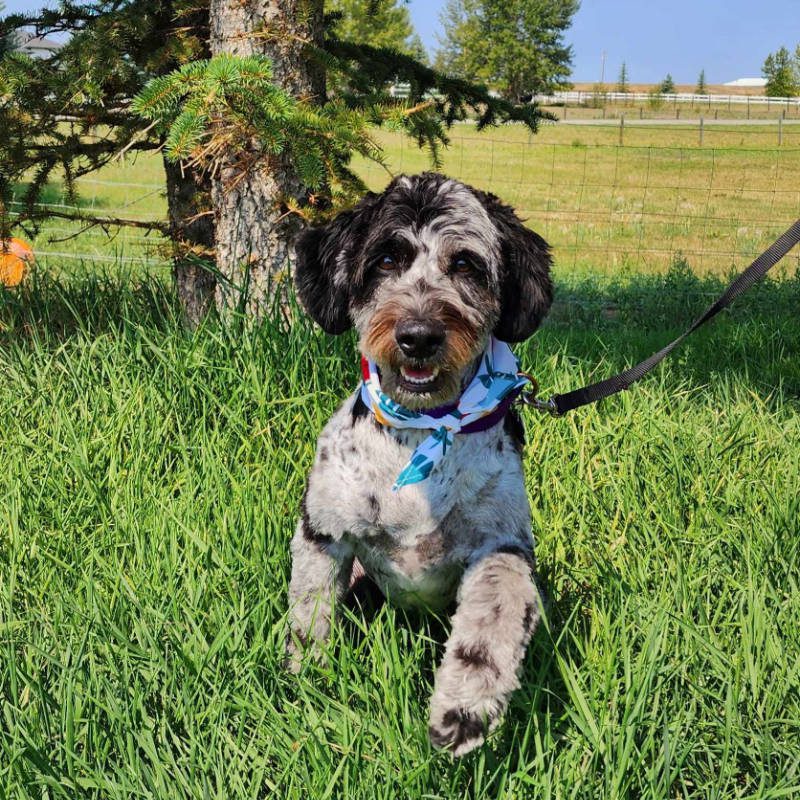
604, 208
151, 478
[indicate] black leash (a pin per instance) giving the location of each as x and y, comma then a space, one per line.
559, 404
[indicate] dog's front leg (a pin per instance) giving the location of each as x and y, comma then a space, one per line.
320, 576
498, 608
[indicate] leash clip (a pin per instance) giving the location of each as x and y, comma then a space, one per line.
529, 398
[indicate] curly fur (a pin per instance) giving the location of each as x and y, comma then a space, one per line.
432, 250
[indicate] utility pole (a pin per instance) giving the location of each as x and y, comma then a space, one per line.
602, 66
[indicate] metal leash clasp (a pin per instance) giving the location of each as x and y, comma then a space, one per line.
529, 398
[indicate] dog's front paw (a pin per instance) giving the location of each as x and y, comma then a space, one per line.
458, 730
293, 655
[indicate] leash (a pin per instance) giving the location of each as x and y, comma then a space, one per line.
559, 404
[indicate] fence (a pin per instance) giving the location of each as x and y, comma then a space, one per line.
684, 98
603, 207
610, 208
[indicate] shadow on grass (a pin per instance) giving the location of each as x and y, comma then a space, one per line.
605, 326
596, 324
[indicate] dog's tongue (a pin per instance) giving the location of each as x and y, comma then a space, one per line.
421, 374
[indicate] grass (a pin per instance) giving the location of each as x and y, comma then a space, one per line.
604, 208
150, 483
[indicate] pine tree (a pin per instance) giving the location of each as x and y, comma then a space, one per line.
67, 115
701, 87
667, 85
781, 72
381, 23
515, 46
6, 42
264, 173
622, 80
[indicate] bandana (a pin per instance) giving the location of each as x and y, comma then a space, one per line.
483, 403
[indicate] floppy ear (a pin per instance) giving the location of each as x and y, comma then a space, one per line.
526, 290
325, 265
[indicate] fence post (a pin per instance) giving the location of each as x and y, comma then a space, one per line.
565, 109
621, 128
641, 112
748, 106
701, 130
780, 131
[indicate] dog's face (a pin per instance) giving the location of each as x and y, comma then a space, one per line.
426, 271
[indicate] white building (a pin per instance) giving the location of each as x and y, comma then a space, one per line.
748, 83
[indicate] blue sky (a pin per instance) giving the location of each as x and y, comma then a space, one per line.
728, 39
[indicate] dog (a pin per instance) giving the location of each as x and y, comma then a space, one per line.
434, 275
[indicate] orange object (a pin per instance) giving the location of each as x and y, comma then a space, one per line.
16, 256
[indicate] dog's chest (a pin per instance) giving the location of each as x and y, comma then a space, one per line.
413, 542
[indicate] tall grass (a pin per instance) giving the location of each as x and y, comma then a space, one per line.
150, 482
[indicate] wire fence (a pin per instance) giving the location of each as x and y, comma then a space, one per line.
606, 207
606, 204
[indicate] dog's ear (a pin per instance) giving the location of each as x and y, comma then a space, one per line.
325, 265
526, 290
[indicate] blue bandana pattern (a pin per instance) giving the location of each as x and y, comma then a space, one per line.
497, 377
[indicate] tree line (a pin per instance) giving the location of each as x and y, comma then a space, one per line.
782, 71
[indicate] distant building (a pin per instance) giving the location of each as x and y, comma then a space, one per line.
36, 46
748, 83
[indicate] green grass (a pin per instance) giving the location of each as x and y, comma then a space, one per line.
150, 483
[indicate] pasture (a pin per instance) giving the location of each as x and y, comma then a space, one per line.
151, 480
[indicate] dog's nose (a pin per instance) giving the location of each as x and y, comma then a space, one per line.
419, 338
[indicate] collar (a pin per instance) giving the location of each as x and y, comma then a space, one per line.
483, 404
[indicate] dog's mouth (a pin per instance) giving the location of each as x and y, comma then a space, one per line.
419, 379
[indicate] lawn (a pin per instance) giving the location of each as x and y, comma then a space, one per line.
151, 479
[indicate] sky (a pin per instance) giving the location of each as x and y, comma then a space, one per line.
728, 39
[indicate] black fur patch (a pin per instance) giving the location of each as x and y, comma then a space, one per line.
476, 656
515, 430
374, 506
467, 726
310, 533
528, 617
360, 411
526, 287
515, 550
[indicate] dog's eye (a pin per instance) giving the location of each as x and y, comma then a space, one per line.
386, 262
462, 263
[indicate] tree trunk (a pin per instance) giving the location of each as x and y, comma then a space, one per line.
192, 234
254, 233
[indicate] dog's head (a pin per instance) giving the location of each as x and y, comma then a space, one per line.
426, 271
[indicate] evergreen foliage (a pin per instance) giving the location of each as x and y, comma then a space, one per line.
667, 85
381, 23
66, 115
207, 109
701, 87
515, 46
7, 41
622, 80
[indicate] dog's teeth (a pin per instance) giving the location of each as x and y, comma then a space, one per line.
420, 381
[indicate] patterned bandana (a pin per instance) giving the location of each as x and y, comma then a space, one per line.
483, 403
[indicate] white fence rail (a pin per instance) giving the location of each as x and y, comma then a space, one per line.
578, 98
